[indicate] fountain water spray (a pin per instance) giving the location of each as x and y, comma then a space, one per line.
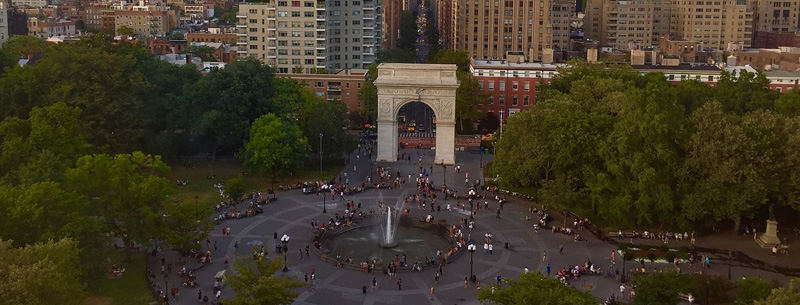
389, 221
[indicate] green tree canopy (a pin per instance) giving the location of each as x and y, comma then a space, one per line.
783, 295
275, 146
43, 273
260, 285
534, 288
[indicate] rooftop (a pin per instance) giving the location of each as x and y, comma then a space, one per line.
504, 64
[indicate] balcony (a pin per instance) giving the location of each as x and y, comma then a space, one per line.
272, 55
241, 26
241, 16
368, 7
241, 51
271, 17
241, 42
272, 46
241, 34
369, 17
320, 17
321, 37
334, 88
321, 46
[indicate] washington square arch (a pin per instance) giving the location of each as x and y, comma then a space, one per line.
433, 85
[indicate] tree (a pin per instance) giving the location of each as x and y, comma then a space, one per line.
235, 187
692, 94
124, 192
186, 225
458, 57
368, 94
534, 288
23, 46
397, 55
750, 290
783, 296
330, 119
789, 103
661, 288
205, 53
43, 146
408, 31
468, 97
230, 99
745, 92
260, 285
45, 273
126, 31
275, 146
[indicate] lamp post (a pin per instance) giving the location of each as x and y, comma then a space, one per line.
622, 276
320, 153
730, 258
444, 173
480, 150
324, 197
166, 287
285, 241
471, 248
471, 196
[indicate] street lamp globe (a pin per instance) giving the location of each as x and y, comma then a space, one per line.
471, 248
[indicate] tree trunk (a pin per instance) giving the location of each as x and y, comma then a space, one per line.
127, 243
737, 224
214, 152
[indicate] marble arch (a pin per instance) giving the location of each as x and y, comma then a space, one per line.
434, 85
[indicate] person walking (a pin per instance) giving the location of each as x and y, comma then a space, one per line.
432, 291
499, 278
199, 295
399, 284
548, 269
561, 249
544, 256
374, 283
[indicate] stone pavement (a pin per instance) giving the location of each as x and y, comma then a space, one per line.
293, 213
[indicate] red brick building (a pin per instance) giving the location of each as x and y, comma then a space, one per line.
343, 86
511, 86
774, 40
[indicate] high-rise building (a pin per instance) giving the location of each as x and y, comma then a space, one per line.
4, 33
640, 23
390, 21
287, 35
305, 36
620, 24
489, 29
562, 13
775, 16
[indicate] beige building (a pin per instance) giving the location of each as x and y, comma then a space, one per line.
775, 16
143, 23
50, 27
620, 24
641, 23
288, 35
562, 13
489, 29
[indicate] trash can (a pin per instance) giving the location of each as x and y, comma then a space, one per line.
364, 289
506, 245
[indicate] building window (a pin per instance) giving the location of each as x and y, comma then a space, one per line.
490, 102
526, 101
502, 100
318, 85
527, 86
491, 85
514, 86
514, 100
502, 86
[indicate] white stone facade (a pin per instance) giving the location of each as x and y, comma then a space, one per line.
434, 85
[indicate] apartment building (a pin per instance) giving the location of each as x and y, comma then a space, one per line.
562, 13
489, 29
212, 34
775, 16
353, 33
305, 36
342, 85
50, 27
4, 32
288, 35
620, 24
30, 3
143, 23
715, 24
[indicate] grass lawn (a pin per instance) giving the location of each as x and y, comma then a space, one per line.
200, 189
131, 289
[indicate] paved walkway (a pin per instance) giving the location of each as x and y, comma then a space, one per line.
293, 213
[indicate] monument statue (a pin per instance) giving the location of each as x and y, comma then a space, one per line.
770, 237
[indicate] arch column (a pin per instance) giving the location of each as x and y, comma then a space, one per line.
433, 85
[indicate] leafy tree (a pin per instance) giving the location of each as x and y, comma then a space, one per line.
468, 97
642, 156
205, 53
789, 103
661, 288
330, 119
783, 296
43, 146
186, 225
275, 146
126, 31
458, 57
693, 94
260, 285
745, 92
230, 99
750, 290
534, 288
235, 187
46, 273
368, 94
124, 192
22, 46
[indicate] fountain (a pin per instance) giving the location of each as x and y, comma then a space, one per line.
389, 221
388, 236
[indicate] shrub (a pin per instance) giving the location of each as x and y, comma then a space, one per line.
683, 249
663, 248
670, 256
651, 256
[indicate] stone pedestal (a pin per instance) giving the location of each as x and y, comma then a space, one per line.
770, 237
